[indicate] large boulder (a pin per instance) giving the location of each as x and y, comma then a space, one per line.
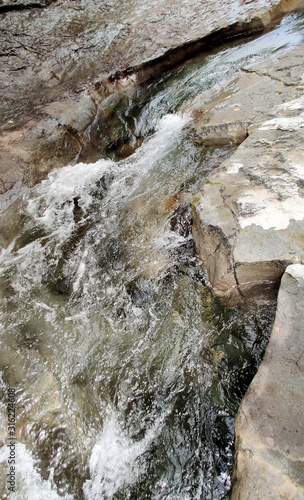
249, 218
269, 424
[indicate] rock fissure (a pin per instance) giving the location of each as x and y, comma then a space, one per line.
263, 74
262, 179
232, 243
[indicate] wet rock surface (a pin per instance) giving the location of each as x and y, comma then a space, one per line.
229, 111
181, 220
54, 59
269, 424
248, 221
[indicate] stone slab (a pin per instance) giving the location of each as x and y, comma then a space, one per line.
249, 220
269, 460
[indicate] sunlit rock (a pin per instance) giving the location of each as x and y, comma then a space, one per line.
249, 218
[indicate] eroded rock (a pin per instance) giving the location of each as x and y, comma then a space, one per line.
269, 424
249, 219
70, 48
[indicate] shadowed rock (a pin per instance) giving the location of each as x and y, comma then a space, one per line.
269, 424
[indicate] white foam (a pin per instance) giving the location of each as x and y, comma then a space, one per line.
29, 483
53, 197
166, 135
80, 271
51, 202
116, 460
42, 305
170, 240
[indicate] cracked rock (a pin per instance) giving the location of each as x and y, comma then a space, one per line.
248, 222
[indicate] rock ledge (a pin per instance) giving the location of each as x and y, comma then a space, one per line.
249, 218
269, 459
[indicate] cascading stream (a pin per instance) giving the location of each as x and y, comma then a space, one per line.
128, 372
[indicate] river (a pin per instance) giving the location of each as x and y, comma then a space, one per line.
128, 372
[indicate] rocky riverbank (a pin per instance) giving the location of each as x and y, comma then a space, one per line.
248, 228
67, 64
67, 67
249, 219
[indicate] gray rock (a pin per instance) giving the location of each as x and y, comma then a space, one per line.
49, 55
74, 115
231, 110
269, 424
31, 152
249, 219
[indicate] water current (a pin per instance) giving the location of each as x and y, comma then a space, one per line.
128, 372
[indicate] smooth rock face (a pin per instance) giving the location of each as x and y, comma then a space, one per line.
249, 220
269, 460
54, 60
231, 110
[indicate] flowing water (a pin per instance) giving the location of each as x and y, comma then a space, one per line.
128, 372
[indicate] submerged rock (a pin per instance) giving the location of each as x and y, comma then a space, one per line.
269, 425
